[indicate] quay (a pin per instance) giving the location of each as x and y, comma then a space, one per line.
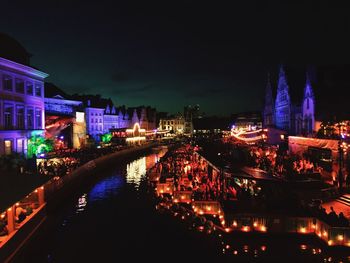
49, 196
190, 186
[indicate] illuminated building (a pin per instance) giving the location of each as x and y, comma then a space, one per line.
295, 118
174, 124
21, 97
64, 118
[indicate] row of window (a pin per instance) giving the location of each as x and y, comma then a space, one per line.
172, 122
9, 146
21, 86
96, 120
16, 117
96, 128
96, 114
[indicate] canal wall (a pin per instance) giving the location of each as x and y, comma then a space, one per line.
60, 190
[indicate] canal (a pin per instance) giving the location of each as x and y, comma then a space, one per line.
114, 219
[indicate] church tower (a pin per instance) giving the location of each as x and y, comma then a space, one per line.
283, 103
269, 105
308, 108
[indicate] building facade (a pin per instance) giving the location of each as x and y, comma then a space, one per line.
175, 125
65, 118
296, 117
22, 112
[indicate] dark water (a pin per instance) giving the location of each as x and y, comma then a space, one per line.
114, 220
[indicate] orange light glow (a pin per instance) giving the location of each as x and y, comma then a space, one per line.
263, 228
227, 229
340, 237
330, 242
263, 248
245, 228
234, 223
255, 224
302, 230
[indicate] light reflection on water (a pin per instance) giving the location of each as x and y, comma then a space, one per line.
135, 171
106, 188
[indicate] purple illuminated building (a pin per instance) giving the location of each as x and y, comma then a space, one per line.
21, 97
296, 118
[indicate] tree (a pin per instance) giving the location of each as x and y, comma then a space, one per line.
38, 145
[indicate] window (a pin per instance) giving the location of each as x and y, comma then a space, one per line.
19, 86
29, 88
92, 120
38, 90
20, 117
20, 144
8, 116
8, 147
7, 82
92, 127
38, 122
307, 103
100, 121
30, 119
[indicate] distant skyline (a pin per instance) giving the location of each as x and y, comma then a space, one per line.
171, 54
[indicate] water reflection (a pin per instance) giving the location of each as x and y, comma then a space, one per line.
82, 202
106, 188
135, 171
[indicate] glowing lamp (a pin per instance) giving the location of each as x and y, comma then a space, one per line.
245, 228
227, 230
255, 224
340, 237
302, 230
263, 248
303, 247
330, 242
325, 234
235, 252
263, 228
234, 223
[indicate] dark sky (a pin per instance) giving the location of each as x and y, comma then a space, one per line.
173, 53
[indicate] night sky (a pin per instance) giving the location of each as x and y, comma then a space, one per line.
174, 53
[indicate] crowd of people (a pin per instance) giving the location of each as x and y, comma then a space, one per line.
282, 163
65, 161
331, 218
189, 173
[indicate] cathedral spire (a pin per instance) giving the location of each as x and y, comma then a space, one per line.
282, 80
